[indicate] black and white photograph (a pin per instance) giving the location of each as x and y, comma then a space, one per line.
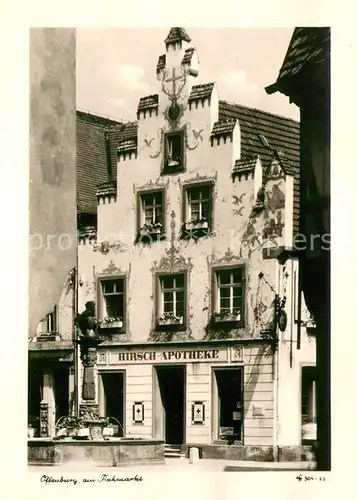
179, 255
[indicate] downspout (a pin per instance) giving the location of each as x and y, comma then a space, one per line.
75, 338
276, 380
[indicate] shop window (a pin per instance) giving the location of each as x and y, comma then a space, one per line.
198, 211
112, 302
174, 152
229, 295
151, 215
228, 404
172, 301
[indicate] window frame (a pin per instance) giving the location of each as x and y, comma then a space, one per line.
215, 297
186, 210
159, 303
101, 295
140, 214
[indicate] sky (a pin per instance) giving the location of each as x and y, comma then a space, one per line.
117, 66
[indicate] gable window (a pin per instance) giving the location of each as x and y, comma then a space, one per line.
112, 303
198, 211
151, 214
229, 296
172, 300
174, 152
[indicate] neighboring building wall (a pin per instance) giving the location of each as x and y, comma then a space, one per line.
53, 208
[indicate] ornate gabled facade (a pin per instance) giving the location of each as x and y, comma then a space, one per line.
198, 315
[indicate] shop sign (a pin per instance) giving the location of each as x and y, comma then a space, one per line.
170, 356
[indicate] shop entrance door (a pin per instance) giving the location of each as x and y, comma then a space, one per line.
111, 399
227, 410
169, 403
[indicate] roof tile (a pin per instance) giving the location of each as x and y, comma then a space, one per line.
148, 102
245, 164
177, 35
201, 91
161, 63
223, 127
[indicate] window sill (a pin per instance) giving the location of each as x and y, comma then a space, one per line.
172, 170
226, 323
149, 238
113, 326
173, 327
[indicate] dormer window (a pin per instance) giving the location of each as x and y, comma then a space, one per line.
174, 152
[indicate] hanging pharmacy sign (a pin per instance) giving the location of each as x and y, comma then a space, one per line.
198, 355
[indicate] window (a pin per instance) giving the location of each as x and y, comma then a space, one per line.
51, 321
229, 295
151, 215
198, 213
112, 304
171, 300
47, 327
174, 152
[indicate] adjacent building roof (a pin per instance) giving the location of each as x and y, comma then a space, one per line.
308, 47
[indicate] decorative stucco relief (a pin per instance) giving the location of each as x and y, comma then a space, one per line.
238, 203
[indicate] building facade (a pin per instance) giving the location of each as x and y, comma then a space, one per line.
199, 307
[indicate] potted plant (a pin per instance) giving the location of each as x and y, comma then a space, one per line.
108, 431
225, 315
83, 432
169, 318
112, 322
173, 162
67, 426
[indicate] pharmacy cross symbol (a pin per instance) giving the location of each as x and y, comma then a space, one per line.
198, 411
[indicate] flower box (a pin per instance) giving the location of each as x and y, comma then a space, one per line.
111, 324
83, 432
222, 318
150, 230
108, 432
203, 224
71, 431
177, 320
173, 162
